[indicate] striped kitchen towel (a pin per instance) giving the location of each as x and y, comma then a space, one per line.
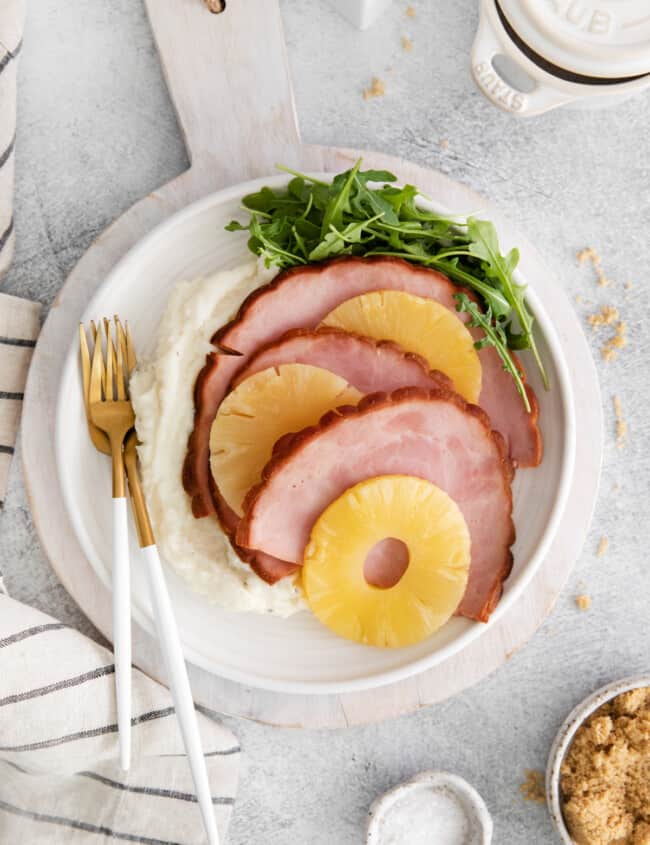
12, 17
19, 326
60, 780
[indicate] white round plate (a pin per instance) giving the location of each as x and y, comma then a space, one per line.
295, 655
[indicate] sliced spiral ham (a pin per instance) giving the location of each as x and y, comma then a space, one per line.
433, 435
301, 298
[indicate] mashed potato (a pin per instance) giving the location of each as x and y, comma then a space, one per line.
162, 394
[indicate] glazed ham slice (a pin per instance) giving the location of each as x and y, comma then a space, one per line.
301, 298
364, 363
433, 435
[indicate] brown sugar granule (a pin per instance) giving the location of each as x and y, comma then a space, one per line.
621, 424
605, 776
583, 602
607, 315
376, 89
444, 144
616, 342
407, 44
410, 12
590, 254
578, 298
603, 545
532, 788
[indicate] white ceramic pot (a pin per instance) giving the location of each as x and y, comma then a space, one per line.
530, 56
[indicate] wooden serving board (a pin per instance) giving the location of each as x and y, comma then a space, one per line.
229, 80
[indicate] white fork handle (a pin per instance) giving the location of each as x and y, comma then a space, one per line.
179, 683
122, 628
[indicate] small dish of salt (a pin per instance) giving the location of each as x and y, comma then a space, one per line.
434, 808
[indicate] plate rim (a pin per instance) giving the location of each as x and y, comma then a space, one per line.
473, 631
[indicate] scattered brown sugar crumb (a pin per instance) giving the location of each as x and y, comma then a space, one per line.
590, 254
605, 777
376, 89
532, 788
444, 143
579, 299
407, 44
628, 286
583, 602
616, 488
602, 546
621, 424
616, 342
607, 315
410, 12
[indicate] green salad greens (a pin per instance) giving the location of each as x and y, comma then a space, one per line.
311, 220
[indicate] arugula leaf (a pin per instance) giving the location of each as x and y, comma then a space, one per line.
339, 199
331, 245
484, 245
336, 243
494, 336
373, 202
376, 176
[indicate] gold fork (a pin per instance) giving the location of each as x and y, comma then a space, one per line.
99, 439
110, 409
111, 417
165, 622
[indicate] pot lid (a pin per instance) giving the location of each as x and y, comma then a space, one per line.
598, 38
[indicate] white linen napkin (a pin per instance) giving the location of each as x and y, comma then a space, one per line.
12, 17
19, 326
60, 780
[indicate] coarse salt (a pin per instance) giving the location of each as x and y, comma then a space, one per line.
427, 815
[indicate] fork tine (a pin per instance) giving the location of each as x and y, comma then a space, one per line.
110, 363
97, 378
85, 363
121, 337
128, 359
131, 360
122, 388
94, 330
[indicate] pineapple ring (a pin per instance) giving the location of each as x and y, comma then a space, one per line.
403, 508
419, 325
259, 411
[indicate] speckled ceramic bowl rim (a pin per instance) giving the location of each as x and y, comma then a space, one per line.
454, 783
565, 736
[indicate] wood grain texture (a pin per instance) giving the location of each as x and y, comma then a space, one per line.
232, 135
228, 76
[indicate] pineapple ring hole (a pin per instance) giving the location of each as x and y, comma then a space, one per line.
386, 563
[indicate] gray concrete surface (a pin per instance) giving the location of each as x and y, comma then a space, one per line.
97, 131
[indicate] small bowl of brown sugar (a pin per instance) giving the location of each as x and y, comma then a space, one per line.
598, 776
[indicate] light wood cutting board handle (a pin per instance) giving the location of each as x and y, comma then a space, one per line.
228, 77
